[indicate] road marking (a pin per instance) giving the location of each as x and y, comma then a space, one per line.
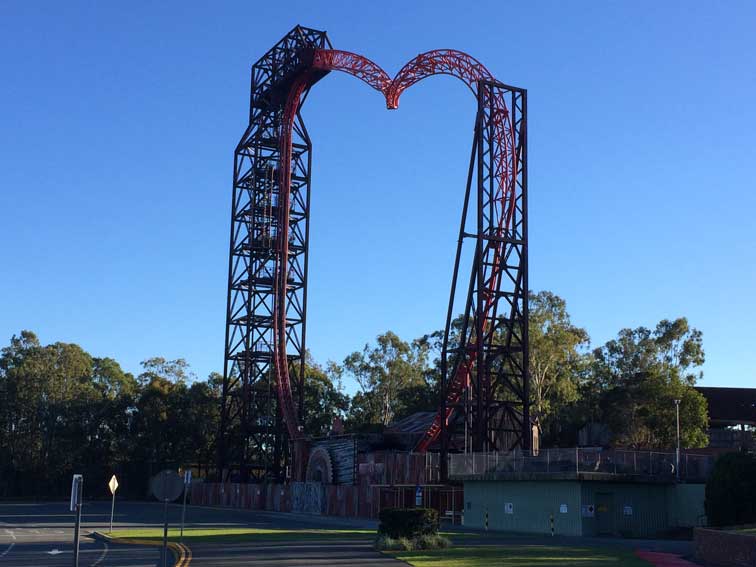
101, 558
7, 551
11, 533
55, 551
179, 550
185, 555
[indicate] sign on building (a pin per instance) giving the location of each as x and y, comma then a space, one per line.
508, 508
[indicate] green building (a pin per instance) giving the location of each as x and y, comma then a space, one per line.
577, 502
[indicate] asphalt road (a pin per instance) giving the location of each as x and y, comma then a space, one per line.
42, 534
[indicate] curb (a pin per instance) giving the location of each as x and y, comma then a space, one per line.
181, 552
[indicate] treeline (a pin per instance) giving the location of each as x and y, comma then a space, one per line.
623, 391
64, 411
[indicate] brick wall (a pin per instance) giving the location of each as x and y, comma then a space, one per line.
725, 549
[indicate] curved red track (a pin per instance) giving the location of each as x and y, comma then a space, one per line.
438, 62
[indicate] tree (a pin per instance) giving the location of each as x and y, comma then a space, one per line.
555, 363
172, 370
156, 425
61, 410
383, 372
731, 490
638, 376
323, 399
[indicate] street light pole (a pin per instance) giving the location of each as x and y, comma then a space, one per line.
677, 453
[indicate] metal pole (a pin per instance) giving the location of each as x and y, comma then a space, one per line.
77, 531
677, 453
165, 531
183, 515
112, 511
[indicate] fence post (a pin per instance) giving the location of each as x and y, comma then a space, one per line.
548, 459
577, 461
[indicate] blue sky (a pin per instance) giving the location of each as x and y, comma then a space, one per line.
119, 122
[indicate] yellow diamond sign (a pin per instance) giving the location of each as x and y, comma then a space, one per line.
113, 484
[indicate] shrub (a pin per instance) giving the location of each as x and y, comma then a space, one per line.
431, 541
731, 490
386, 543
408, 522
428, 541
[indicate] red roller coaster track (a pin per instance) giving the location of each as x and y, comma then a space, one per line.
446, 62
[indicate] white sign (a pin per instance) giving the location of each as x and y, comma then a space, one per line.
563, 508
508, 508
628, 510
187, 477
113, 484
76, 489
418, 496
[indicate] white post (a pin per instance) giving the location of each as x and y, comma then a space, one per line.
677, 453
112, 511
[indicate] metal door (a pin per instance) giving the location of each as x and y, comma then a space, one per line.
605, 513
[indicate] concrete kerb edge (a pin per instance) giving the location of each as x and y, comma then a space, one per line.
182, 554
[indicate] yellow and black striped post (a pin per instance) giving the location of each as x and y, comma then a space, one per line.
551, 521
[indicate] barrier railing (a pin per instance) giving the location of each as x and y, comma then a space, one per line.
579, 460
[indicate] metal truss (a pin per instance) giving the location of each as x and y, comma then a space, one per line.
254, 415
485, 382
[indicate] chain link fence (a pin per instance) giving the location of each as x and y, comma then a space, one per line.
652, 464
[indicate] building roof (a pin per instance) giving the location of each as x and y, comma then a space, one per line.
418, 422
731, 405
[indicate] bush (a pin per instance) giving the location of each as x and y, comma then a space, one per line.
731, 490
386, 543
408, 522
428, 541
433, 541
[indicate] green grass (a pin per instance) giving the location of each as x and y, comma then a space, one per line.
521, 556
748, 531
237, 535
515, 555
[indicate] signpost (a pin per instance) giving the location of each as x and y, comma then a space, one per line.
166, 486
187, 483
113, 485
77, 489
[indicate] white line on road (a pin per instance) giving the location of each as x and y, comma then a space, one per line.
101, 558
10, 532
7, 551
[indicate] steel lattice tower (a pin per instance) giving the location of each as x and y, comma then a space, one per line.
484, 361
253, 435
